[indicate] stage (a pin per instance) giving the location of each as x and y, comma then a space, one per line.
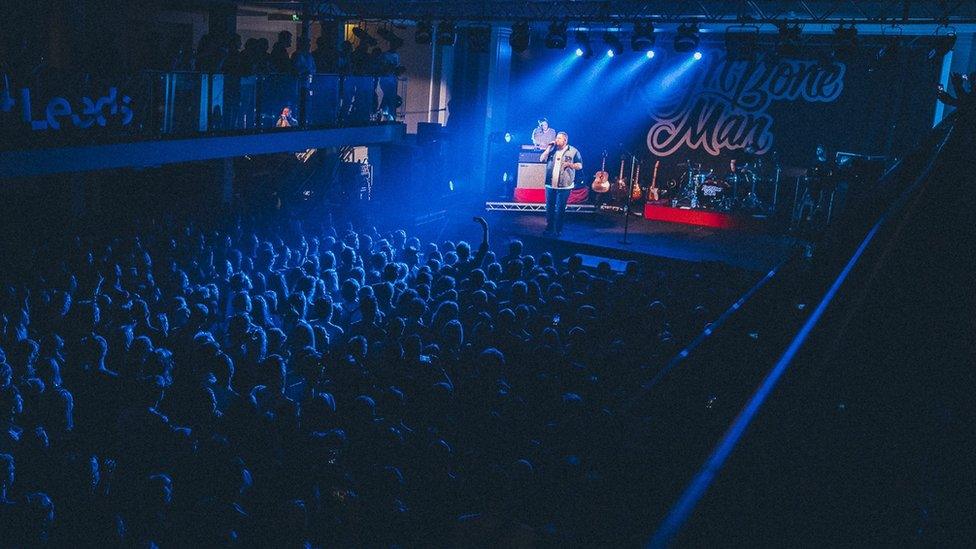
601, 234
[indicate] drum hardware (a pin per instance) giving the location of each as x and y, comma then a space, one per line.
713, 194
700, 187
752, 201
779, 170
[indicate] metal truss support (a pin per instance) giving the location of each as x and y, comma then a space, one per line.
526, 207
834, 12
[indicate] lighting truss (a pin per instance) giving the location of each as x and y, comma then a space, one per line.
825, 12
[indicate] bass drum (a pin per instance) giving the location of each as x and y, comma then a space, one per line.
714, 194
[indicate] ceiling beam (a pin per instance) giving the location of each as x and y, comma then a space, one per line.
825, 12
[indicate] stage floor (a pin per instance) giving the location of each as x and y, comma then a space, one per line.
601, 233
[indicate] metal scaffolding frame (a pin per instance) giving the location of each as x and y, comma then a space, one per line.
533, 207
771, 12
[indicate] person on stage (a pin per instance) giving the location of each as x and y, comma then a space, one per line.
542, 135
562, 163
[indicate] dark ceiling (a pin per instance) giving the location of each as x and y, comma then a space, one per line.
897, 12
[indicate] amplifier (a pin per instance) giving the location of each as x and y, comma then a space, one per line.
529, 156
531, 175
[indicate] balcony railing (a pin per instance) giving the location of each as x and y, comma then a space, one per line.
159, 105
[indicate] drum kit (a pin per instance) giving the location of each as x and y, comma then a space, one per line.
737, 190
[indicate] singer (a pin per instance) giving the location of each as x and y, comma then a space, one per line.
562, 163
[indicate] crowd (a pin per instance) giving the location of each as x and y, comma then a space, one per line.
26, 65
257, 56
963, 92
322, 387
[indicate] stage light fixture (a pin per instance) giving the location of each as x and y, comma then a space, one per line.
741, 42
583, 48
789, 40
519, 39
650, 54
643, 37
508, 137
424, 32
698, 55
479, 39
616, 47
845, 40
686, 38
556, 37
446, 34
943, 45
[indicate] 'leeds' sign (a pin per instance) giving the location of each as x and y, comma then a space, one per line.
85, 113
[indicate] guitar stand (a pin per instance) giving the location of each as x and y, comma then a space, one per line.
630, 193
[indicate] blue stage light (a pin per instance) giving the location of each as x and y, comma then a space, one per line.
508, 137
650, 54
698, 55
579, 52
609, 53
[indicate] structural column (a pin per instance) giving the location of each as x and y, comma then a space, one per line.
496, 97
441, 76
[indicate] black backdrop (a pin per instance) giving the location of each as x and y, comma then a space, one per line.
856, 103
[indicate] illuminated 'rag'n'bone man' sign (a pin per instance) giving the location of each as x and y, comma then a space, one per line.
724, 107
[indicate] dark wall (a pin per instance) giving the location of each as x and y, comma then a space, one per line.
854, 103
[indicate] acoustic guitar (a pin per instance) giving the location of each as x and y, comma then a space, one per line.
601, 181
652, 191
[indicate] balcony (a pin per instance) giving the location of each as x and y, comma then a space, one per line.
154, 118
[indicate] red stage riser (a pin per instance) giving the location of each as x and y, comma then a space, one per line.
538, 196
702, 218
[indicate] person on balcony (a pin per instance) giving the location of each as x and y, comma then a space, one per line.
280, 62
326, 56
302, 61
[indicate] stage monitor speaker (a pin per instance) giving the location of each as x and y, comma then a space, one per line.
396, 175
531, 175
429, 132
